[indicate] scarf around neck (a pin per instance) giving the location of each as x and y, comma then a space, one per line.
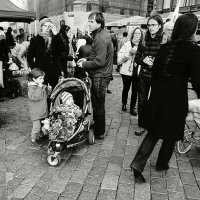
47, 39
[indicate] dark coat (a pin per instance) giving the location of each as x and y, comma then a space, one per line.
168, 103
48, 61
4, 50
65, 53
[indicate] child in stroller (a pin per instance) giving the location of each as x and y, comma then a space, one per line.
69, 121
67, 114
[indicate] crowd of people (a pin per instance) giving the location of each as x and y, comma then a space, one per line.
156, 63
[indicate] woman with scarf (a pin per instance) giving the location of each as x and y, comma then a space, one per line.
45, 52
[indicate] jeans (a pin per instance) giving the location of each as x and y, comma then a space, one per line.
146, 149
98, 93
127, 81
144, 85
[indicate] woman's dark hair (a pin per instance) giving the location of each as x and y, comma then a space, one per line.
35, 73
9, 29
63, 29
99, 18
185, 27
160, 22
142, 34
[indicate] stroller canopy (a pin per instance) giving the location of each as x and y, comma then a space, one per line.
69, 83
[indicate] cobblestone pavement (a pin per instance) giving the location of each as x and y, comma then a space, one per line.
96, 172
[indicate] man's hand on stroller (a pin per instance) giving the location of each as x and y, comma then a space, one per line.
80, 62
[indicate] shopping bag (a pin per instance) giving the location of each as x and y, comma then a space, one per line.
1, 74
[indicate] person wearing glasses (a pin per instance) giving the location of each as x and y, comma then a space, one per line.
176, 62
129, 68
145, 55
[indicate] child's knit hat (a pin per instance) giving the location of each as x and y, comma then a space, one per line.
65, 96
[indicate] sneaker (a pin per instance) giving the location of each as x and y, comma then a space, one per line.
140, 131
35, 143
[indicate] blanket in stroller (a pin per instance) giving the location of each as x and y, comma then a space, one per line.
63, 122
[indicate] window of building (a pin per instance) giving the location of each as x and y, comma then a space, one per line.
187, 3
130, 12
121, 11
166, 4
102, 9
88, 7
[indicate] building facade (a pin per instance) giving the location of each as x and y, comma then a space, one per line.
118, 7
186, 6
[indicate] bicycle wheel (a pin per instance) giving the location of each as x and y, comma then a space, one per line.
183, 146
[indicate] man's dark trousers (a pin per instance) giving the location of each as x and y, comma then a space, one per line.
98, 93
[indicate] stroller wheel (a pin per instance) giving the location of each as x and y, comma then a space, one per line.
53, 161
91, 138
183, 146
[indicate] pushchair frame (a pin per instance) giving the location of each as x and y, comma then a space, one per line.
56, 146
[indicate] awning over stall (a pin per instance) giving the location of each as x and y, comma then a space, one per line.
12, 13
134, 20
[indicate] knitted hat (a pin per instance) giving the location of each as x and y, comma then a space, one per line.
65, 96
43, 21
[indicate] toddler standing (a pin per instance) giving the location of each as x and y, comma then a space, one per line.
37, 94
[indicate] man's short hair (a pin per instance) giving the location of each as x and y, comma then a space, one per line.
99, 18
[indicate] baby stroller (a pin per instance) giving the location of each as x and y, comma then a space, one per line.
59, 138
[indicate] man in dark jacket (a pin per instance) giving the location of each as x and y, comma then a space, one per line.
100, 66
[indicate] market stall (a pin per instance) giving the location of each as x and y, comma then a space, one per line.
10, 12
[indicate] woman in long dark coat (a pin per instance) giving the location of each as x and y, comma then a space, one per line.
167, 108
45, 52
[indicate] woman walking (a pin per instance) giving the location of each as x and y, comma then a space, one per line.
176, 62
126, 56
